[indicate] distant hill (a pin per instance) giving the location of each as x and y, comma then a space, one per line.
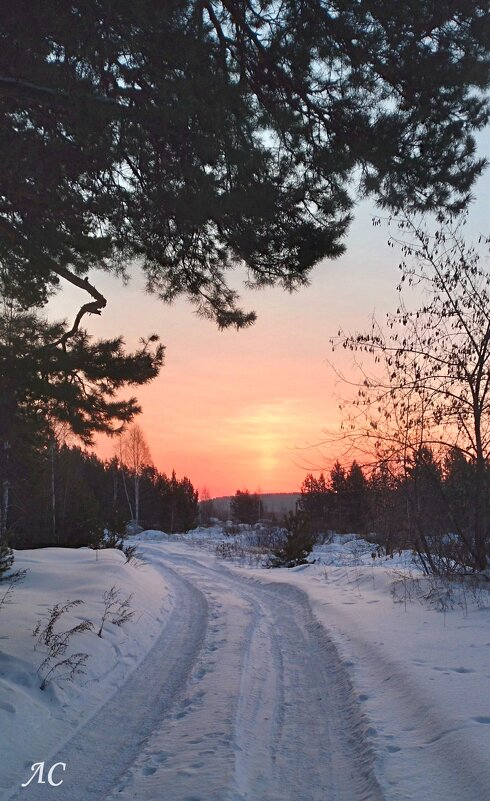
275, 503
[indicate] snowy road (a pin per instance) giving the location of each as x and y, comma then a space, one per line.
242, 698
242, 684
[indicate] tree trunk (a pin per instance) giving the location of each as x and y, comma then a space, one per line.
137, 498
4, 509
127, 494
480, 524
53, 492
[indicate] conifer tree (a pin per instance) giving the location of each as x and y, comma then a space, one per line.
316, 502
356, 499
195, 134
6, 557
47, 380
246, 507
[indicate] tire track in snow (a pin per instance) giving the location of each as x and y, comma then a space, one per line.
270, 713
242, 698
260, 707
323, 752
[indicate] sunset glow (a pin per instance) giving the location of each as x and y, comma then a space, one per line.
234, 410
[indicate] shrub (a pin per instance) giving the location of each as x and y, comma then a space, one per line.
9, 583
6, 557
298, 541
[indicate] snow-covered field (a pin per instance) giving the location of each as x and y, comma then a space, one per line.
235, 683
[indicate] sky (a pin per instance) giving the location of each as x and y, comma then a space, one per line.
249, 409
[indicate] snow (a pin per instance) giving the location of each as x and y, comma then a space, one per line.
421, 675
351, 678
35, 722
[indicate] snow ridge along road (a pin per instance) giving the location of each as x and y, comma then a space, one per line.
104, 745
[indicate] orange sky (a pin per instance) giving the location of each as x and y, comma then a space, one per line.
239, 409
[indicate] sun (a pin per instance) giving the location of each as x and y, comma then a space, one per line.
261, 434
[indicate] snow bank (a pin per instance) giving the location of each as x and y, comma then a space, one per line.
35, 722
151, 535
349, 550
201, 534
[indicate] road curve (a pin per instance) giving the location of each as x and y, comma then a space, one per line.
268, 712
242, 698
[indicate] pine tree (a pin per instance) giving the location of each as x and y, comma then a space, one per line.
183, 504
6, 557
338, 487
388, 509
246, 507
459, 487
47, 382
298, 541
195, 133
316, 502
356, 499
429, 519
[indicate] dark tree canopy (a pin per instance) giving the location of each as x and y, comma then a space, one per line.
246, 507
67, 497
46, 382
198, 134
315, 501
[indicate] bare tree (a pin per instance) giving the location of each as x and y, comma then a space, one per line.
434, 387
206, 507
134, 455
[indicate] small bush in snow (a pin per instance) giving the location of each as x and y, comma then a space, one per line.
6, 557
405, 588
298, 542
231, 528
115, 537
116, 610
440, 593
56, 665
229, 550
131, 553
7, 584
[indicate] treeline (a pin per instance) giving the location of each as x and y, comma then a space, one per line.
66, 496
429, 507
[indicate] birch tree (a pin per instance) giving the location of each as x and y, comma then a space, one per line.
134, 457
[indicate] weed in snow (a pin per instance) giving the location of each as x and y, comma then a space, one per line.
116, 610
56, 664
